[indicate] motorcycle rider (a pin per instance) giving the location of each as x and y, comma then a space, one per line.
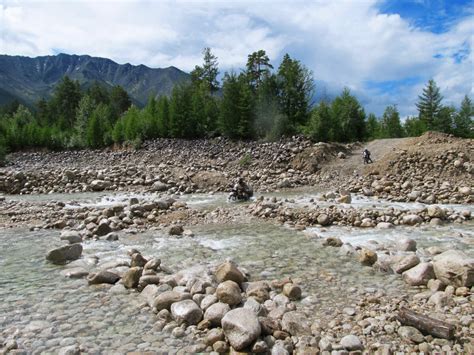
242, 190
366, 156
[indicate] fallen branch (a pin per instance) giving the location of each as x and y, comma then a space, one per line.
425, 324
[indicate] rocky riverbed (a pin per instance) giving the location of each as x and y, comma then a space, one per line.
126, 251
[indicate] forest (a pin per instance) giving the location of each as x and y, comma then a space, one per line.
259, 102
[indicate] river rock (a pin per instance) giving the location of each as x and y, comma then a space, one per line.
214, 335
71, 236
149, 293
99, 185
131, 278
241, 327
351, 342
228, 271
435, 212
332, 242
103, 277
455, 268
138, 260
103, 229
159, 186
404, 263
208, 301
229, 292
465, 190
186, 311
75, 272
167, 298
367, 257
323, 219
411, 219
176, 230
64, 254
258, 290
345, 199
111, 237
406, 244
385, 225
152, 264
216, 312
292, 291
419, 275
296, 324
412, 334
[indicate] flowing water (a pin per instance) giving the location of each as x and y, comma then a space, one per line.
46, 311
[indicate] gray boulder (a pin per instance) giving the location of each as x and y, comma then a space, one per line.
71, 236
241, 327
216, 312
296, 324
229, 292
406, 244
99, 185
64, 254
166, 299
228, 271
455, 268
186, 311
131, 278
103, 277
411, 219
404, 263
419, 275
351, 342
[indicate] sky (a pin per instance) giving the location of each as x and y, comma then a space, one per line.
384, 51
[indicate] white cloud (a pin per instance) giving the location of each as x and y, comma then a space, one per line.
345, 43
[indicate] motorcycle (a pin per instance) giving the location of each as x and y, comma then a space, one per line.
235, 196
367, 159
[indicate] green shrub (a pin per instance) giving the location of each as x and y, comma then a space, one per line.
246, 160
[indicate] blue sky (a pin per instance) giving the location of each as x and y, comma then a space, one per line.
383, 50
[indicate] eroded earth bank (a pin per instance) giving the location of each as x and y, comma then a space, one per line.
132, 251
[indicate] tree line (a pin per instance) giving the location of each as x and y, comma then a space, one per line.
259, 102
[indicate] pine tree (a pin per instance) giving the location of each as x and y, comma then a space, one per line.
320, 124
296, 85
429, 105
229, 111
207, 74
348, 118
391, 126
373, 127
463, 120
258, 67
164, 117
119, 102
66, 97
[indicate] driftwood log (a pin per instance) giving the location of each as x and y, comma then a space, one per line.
425, 324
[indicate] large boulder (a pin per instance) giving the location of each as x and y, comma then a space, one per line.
64, 254
103, 229
411, 219
71, 236
241, 327
103, 277
403, 263
406, 244
351, 342
186, 311
149, 293
324, 220
260, 290
455, 268
435, 212
159, 186
295, 324
228, 271
166, 299
99, 185
216, 312
367, 257
229, 292
131, 278
419, 275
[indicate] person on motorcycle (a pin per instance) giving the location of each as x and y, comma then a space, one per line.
243, 191
366, 155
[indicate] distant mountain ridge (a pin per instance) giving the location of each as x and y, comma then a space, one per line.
30, 79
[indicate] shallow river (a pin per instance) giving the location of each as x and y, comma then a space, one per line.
46, 311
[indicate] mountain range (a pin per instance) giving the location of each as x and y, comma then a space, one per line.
29, 79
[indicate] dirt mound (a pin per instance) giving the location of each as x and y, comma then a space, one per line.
313, 157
